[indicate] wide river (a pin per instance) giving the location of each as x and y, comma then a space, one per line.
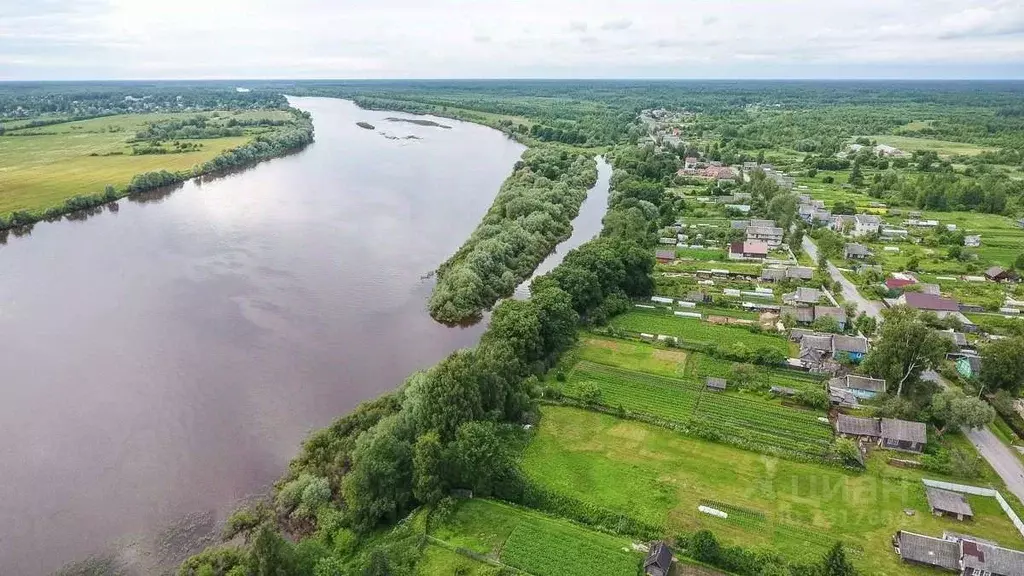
163, 361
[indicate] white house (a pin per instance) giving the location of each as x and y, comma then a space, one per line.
864, 224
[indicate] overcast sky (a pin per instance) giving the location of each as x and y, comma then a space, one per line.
145, 39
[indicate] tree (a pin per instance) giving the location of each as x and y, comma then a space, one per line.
951, 408
270, 554
865, 324
379, 485
428, 469
704, 547
964, 464
846, 450
480, 460
826, 324
856, 177
1019, 262
1002, 368
906, 347
836, 563
782, 208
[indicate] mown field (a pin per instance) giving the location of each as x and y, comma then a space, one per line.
530, 541
696, 331
41, 167
799, 509
941, 147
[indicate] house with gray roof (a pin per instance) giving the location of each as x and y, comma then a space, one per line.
773, 274
860, 386
806, 296
946, 502
984, 559
659, 559
803, 315
834, 312
861, 428
903, 435
864, 224
855, 251
928, 551
799, 273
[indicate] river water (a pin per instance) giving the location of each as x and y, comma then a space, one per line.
164, 360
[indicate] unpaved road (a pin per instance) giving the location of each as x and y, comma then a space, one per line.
849, 291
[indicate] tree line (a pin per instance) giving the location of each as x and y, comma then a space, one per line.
531, 214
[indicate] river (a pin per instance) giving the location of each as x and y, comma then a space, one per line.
164, 360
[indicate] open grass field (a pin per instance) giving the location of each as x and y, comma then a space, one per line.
696, 331
941, 147
437, 559
64, 160
661, 477
738, 417
536, 543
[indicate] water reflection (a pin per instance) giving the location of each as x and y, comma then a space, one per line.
170, 358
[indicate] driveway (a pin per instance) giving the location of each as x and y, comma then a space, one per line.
849, 291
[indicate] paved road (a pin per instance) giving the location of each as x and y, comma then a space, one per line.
849, 291
997, 454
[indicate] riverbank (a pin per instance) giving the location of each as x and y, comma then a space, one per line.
49, 169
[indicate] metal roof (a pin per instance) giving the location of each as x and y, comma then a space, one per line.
717, 383
857, 426
855, 382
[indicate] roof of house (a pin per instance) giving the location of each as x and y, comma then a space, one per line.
764, 230
796, 334
994, 271
986, 558
816, 342
957, 338
928, 550
665, 254
805, 295
904, 431
773, 273
718, 383
841, 396
857, 426
799, 314
896, 283
755, 247
857, 250
930, 302
830, 311
867, 219
660, 555
739, 224
856, 344
800, 272
760, 222
947, 501
864, 383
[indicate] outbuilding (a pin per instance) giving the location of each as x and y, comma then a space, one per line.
659, 559
948, 503
904, 435
716, 384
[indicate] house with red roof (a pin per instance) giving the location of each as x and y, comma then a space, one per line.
932, 302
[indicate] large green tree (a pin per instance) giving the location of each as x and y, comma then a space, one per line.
951, 408
836, 562
1002, 365
428, 469
906, 347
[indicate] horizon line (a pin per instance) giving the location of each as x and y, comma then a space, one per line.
525, 79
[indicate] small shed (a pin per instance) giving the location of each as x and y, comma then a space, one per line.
904, 435
659, 559
783, 391
945, 502
1000, 274
716, 384
926, 550
665, 256
850, 426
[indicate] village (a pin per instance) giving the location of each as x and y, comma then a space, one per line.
758, 317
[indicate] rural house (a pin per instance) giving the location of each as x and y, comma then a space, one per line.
904, 435
748, 250
1000, 274
858, 428
931, 302
802, 315
842, 222
864, 224
799, 273
928, 551
851, 348
716, 384
773, 274
856, 252
771, 235
859, 386
659, 559
803, 296
945, 502
834, 312
665, 256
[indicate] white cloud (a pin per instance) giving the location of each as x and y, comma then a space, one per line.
506, 38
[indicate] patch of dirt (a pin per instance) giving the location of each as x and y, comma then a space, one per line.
670, 355
613, 346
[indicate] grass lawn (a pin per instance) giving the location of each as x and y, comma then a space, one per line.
437, 559
64, 160
535, 542
661, 477
696, 331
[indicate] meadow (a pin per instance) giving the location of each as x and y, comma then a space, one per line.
41, 167
941, 147
660, 476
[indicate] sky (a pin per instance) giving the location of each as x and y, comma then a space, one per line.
193, 39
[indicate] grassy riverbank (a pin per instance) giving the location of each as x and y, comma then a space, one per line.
43, 169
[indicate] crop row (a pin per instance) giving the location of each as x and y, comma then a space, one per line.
541, 551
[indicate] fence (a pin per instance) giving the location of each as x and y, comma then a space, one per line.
979, 491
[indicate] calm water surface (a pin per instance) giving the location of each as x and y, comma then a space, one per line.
163, 361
